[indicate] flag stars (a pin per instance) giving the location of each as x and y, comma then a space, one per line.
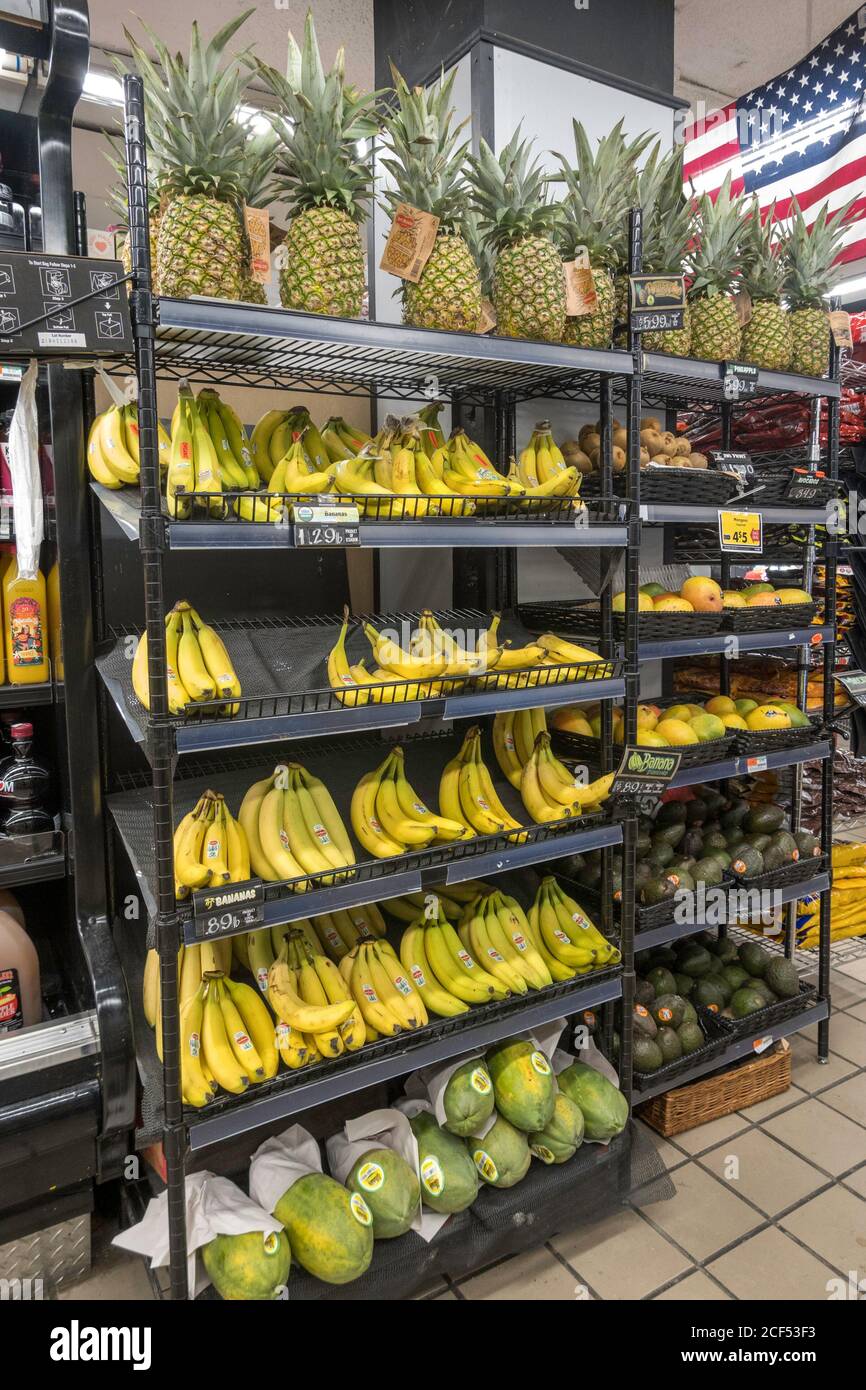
807, 106
858, 84
786, 116
818, 88
834, 95
851, 30
839, 50
843, 76
813, 62
780, 91
828, 69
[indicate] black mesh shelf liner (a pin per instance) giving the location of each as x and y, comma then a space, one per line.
341, 763
282, 666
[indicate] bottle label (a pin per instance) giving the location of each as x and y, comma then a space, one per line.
25, 632
11, 1009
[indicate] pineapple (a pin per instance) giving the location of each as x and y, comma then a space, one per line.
600, 189
517, 221
117, 199
202, 244
668, 228
427, 166
767, 337
714, 262
809, 256
323, 178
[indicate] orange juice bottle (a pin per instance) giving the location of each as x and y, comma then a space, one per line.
55, 642
25, 621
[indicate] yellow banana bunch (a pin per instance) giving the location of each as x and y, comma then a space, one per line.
387, 999
467, 793
198, 666
566, 933
431, 434
232, 471
455, 968
210, 847
293, 827
340, 931
284, 997
389, 818
547, 789
110, 454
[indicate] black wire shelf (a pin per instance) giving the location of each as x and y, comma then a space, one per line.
690, 379
534, 522
341, 764
282, 667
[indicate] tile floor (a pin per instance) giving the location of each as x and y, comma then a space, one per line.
770, 1203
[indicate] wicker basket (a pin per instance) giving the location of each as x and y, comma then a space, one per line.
744, 1084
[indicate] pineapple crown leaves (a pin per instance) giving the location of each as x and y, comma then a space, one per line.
117, 196
258, 185
510, 194
192, 112
810, 253
763, 263
715, 255
320, 122
600, 188
482, 250
424, 159
668, 215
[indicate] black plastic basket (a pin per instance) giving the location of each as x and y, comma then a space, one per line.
581, 747
584, 620
754, 742
681, 487
768, 618
798, 871
774, 484
717, 1038
699, 545
767, 1018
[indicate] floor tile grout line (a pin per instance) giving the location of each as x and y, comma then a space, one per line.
828, 1264
723, 1250
574, 1273
786, 1211
834, 1177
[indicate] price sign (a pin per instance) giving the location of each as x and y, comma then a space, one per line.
736, 462
802, 486
855, 683
741, 532
325, 527
645, 772
740, 380
657, 302
761, 1044
225, 911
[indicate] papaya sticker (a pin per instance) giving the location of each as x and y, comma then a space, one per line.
540, 1063
480, 1081
432, 1176
360, 1210
271, 1243
485, 1165
543, 1152
371, 1176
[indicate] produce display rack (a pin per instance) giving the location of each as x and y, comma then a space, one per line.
212, 343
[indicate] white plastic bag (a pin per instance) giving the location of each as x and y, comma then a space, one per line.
22, 453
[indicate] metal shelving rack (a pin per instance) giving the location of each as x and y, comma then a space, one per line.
214, 342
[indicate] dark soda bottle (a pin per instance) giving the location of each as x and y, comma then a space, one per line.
24, 787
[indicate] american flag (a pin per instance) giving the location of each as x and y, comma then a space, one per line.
803, 134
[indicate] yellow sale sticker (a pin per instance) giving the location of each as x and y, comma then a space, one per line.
741, 531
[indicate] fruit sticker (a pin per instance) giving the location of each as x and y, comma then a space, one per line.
641, 1011
418, 976
360, 1210
432, 1176
540, 1063
494, 954
665, 1015
467, 960
271, 1243
371, 1176
480, 1081
541, 1151
242, 1041
485, 1165
194, 1044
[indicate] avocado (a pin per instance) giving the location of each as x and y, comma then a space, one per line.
685, 984
682, 880
753, 958
725, 949
782, 977
690, 1013
765, 819
747, 863
696, 811
760, 987
711, 994
660, 856
715, 801
721, 855
668, 835
759, 841
647, 1054
695, 960
669, 1045
775, 858
691, 1038
746, 1001
663, 955
643, 993
658, 890
682, 866
714, 839
692, 844
644, 1021
642, 844
736, 976
808, 845
671, 813
784, 840
708, 871
662, 981
668, 1010
720, 981
642, 871
717, 968
732, 819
